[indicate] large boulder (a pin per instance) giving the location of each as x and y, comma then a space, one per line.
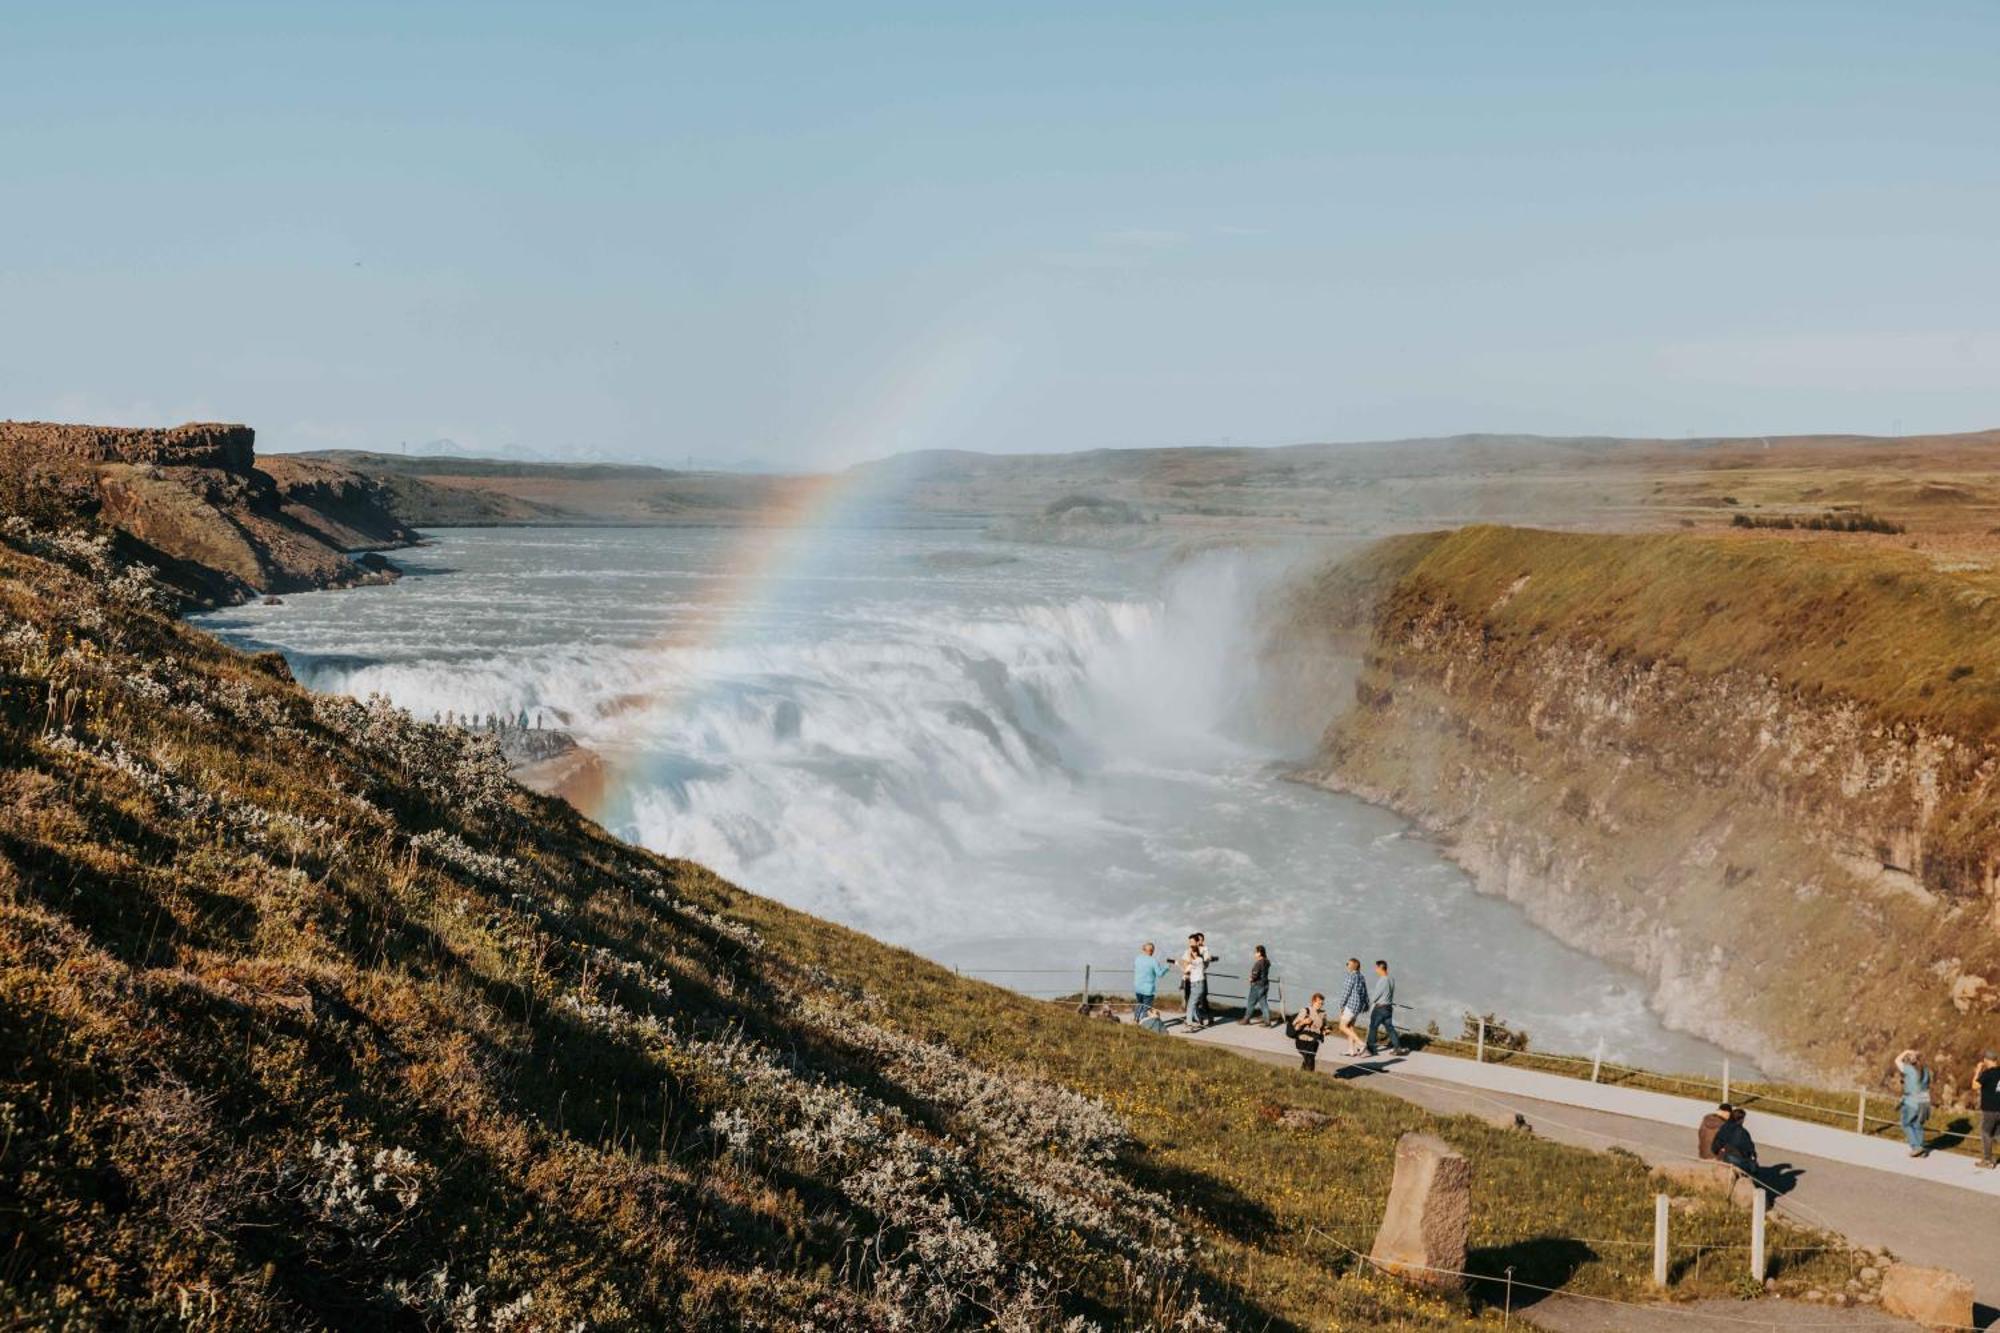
1707, 1178
1430, 1212
1936, 1297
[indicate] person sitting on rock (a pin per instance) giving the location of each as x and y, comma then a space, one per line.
1704, 1138
1734, 1145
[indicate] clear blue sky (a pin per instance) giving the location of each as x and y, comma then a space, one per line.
823, 231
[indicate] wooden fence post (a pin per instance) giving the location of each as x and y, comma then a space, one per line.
1725, 1078
1480, 1055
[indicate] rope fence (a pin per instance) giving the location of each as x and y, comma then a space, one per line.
1509, 1284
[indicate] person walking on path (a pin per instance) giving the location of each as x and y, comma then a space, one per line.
1916, 1106
1987, 1078
1259, 997
1307, 1029
1353, 1004
1194, 971
1382, 1017
1146, 973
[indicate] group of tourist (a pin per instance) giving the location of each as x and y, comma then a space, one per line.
1308, 1027
1721, 1137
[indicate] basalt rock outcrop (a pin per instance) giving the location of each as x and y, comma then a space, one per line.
196, 444
192, 501
1760, 775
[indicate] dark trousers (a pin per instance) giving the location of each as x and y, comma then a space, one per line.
1989, 1129
1383, 1019
1306, 1058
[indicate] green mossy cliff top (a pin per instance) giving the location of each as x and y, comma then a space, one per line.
1839, 615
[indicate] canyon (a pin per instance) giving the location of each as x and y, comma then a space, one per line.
1758, 772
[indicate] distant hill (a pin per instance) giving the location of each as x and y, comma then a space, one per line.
453, 491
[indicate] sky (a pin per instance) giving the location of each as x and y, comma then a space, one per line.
803, 235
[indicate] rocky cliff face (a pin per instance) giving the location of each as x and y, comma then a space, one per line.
197, 444
192, 501
1795, 872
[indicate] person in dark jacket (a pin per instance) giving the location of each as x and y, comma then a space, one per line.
1259, 998
1734, 1145
1986, 1076
1307, 1029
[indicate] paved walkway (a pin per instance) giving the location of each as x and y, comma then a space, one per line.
1938, 1210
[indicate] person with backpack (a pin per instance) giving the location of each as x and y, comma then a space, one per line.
1916, 1104
1259, 996
1353, 1004
1307, 1029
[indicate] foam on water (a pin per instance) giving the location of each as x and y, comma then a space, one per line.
1009, 766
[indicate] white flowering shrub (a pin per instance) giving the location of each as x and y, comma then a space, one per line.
743, 936
135, 585
452, 766
453, 852
369, 1196
460, 1307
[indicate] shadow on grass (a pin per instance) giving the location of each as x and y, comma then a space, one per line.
1545, 1261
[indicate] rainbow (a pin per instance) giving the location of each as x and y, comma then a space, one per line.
782, 538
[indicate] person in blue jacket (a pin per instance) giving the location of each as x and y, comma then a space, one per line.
1146, 973
1916, 1105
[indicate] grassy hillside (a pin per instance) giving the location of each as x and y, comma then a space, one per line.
1890, 628
310, 1018
1910, 637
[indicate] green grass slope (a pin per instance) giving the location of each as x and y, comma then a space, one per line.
309, 1017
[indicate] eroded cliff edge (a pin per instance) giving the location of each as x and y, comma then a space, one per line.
1759, 772
193, 502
